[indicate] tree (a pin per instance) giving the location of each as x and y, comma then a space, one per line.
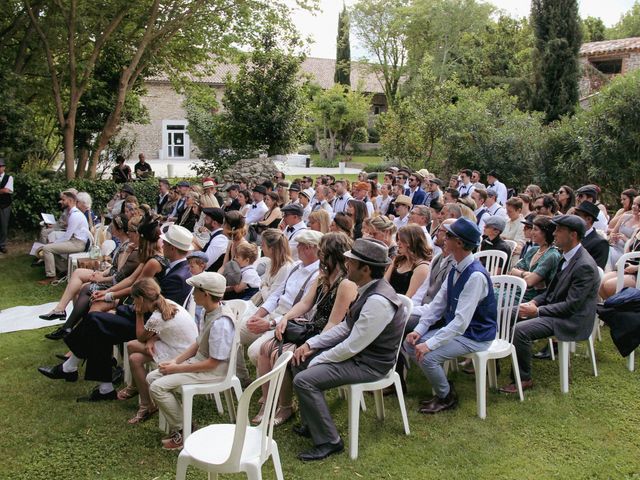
381, 26
593, 29
150, 36
436, 28
556, 27
343, 50
336, 115
629, 24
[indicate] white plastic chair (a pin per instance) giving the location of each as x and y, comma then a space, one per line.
510, 293
230, 381
620, 285
513, 244
355, 393
564, 348
229, 448
492, 261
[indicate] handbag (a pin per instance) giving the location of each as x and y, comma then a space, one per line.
297, 332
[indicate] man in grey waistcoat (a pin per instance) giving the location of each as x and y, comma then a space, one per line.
362, 348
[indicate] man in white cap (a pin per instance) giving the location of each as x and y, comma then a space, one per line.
205, 361
258, 328
208, 198
177, 243
362, 348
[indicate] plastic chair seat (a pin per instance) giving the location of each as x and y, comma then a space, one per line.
199, 445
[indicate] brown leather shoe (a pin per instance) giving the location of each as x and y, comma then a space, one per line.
47, 281
440, 404
513, 388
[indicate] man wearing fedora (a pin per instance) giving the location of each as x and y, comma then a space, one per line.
363, 348
402, 206
94, 337
497, 186
6, 192
593, 242
259, 208
415, 192
462, 318
292, 219
567, 307
589, 193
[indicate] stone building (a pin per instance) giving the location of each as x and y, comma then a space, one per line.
604, 60
166, 138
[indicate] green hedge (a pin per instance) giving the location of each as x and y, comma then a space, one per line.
39, 193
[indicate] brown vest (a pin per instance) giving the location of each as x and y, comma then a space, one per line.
380, 354
203, 338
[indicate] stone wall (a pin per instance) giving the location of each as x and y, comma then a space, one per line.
253, 170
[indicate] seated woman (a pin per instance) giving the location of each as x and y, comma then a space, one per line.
235, 229
610, 279
167, 332
84, 282
626, 199
273, 216
275, 247
624, 230
410, 267
566, 199
540, 262
319, 221
246, 256
357, 210
325, 305
342, 223
383, 229
244, 199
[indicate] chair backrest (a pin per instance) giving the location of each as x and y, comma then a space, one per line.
512, 244
510, 291
274, 378
407, 304
495, 261
620, 268
190, 304
237, 307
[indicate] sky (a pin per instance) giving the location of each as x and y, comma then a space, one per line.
322, 27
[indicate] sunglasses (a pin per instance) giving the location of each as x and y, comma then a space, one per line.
539, 207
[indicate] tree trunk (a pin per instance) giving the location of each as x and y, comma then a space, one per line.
83, 156
68, 134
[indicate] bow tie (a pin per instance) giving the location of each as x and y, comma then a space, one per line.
254, 206
340, 198
290, 229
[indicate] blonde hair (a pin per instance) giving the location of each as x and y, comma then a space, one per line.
381, 223
248, 251
278, 245
148, 289
322, 217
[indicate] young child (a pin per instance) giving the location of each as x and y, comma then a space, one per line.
204, 361
197, 264
246, 256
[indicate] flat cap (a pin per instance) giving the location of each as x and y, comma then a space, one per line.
437, 181
292, 209
496, 221
572, 222
260, 189
210, 282
198, 254
216, 214
183, 183
589, 190
294, 187
309, 237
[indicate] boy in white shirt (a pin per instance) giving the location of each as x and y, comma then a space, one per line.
246, 256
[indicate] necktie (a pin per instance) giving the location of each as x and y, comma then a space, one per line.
561, 264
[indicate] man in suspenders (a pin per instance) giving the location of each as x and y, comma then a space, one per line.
216, 247
6, 191
294, 226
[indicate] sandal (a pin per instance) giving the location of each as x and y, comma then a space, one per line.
258, 418
127, 392
283, 415
142, 415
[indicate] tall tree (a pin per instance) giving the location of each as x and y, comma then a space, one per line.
629, 24
558, 36
381, 26
151, 36
593, 29
343, 50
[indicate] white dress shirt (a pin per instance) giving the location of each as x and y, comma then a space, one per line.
601, 222
341, 202
466, 189
496, 209
501, 191
369, 205
283, 298
401, 222
77, 227
217, 247
474, 291
376, 314
291, 236
256, 213
570, 254
9, 184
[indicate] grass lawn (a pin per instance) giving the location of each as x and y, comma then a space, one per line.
593, 432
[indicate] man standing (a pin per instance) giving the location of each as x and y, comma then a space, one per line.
466, 187
6, 191
360, 349
479, 196
593, 242
467, 304
497, 186
142, 168
434, 192
320, 200
566, 308
163, 195
475, 179
292, 219
74, 240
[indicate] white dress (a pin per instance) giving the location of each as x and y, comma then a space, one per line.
174, 335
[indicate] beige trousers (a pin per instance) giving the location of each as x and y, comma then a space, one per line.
55, 255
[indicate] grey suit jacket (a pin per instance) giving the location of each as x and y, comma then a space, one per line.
570, 301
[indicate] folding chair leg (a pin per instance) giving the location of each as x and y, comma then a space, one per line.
563, 353
403, 407
354, 423
516, 372
377, 395
592, 354
480, 366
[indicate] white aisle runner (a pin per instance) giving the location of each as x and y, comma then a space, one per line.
26, 318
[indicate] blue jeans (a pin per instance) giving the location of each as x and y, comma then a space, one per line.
433, 362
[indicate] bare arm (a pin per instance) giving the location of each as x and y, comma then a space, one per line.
420, 274
346, 294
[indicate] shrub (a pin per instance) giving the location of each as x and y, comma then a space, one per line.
39, 193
